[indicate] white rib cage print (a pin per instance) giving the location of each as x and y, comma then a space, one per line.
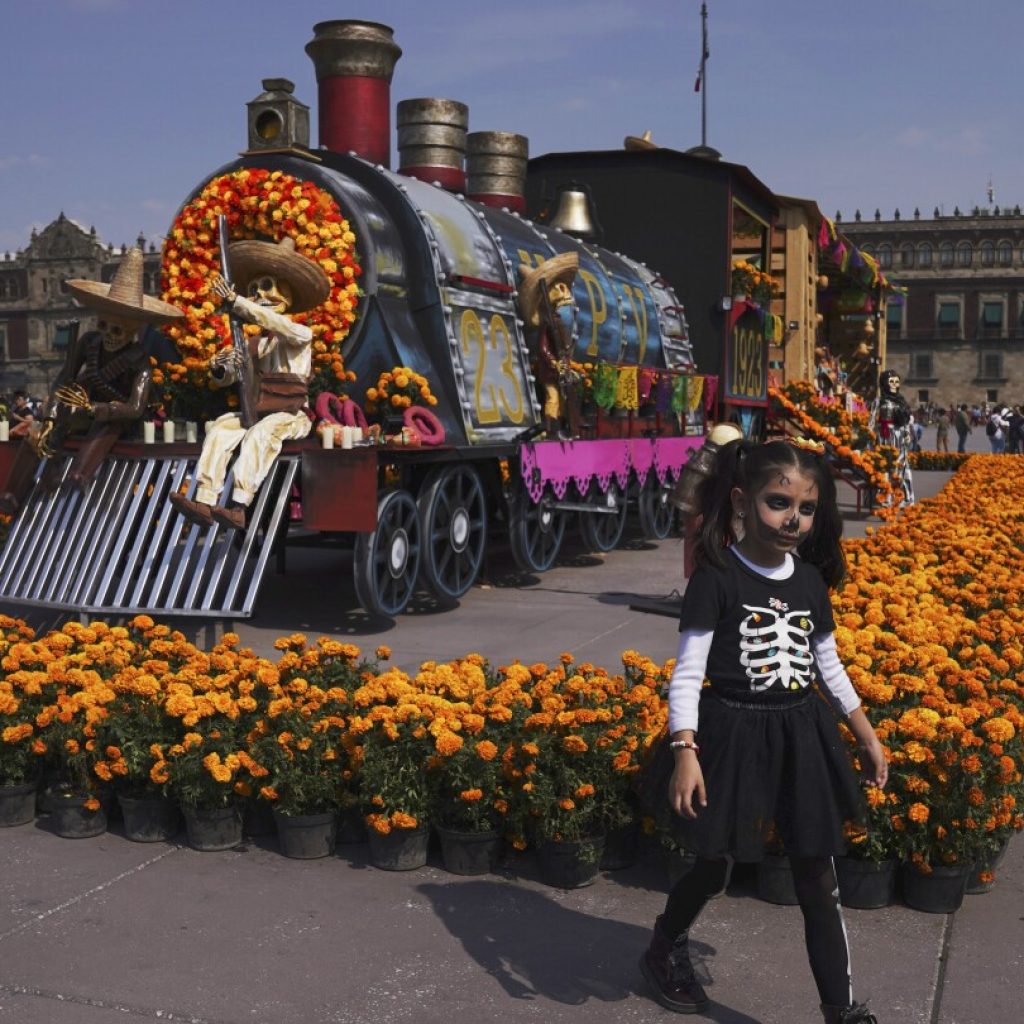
775, 647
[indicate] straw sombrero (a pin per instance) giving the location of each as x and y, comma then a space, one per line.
562, 268
249, 259
123, 296
636, 142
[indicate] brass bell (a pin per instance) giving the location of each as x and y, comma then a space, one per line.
574, 214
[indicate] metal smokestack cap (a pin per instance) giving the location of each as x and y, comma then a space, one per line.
365, 49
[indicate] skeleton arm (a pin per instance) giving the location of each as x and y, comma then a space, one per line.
276, 325
107, 412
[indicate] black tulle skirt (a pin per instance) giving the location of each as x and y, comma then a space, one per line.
773, 774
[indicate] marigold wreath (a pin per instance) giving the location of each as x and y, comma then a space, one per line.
258, 204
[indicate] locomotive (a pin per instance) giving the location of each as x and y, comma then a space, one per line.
441, 257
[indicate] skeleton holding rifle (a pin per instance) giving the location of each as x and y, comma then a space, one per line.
102, 387
546, 302
276, 281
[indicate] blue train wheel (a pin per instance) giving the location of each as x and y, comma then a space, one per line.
453, 525
386, 561
655, 510
536, 531
602, 530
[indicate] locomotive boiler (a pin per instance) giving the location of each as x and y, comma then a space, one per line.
441, 258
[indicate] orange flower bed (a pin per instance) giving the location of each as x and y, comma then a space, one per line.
931, 628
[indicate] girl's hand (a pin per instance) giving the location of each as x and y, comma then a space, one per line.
873, 764
687, 782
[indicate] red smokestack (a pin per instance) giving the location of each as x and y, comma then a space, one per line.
354, 62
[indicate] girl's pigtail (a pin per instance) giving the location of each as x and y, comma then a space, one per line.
714, 534
824, 548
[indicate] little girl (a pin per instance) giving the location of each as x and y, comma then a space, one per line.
767, 761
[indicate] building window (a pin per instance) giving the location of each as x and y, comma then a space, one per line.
922, 396
964, 254
992, 314
991, 365
907, 256
3, 343
894, 318
62, 336
991, 395
885, 256
949, 315
924, 255
988, 254
921, 365
946, 254
1005, 254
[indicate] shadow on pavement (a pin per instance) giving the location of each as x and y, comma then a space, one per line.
535, 947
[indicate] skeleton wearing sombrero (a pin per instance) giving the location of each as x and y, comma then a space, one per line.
546, 302
277, 281
103, 385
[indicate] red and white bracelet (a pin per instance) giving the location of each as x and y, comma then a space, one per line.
684, 745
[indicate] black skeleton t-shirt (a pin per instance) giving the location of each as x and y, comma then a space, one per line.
763, 628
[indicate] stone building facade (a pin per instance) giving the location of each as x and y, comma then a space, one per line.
36, 309
960, 335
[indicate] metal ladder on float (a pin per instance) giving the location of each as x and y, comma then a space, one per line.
121, 549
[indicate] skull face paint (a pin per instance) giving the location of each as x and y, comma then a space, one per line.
270, 293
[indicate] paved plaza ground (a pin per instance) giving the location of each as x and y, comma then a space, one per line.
103, 930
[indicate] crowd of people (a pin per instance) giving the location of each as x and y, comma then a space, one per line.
1003, 426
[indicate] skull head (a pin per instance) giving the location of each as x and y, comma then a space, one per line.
117, 331
559, 294
889, 382
271, 293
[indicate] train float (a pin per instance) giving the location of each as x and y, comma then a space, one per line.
426, 265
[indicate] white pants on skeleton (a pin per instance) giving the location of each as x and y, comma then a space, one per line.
258, 447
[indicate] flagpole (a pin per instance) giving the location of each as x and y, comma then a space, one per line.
704, 74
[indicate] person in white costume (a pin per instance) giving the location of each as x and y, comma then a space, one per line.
277, 281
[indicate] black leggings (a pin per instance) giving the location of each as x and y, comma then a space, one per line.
818, 893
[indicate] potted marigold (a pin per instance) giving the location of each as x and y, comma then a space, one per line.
71, 728
24, 692
468, 797
565, 770
209, 769
390, 743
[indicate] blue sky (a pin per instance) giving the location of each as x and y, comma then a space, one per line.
115, 109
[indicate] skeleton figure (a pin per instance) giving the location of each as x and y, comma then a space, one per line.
775, 646
278, 282
892, 420
102, 387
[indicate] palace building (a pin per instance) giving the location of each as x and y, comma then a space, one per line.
959, 336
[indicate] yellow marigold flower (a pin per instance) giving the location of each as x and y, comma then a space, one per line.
221, 773
383, 652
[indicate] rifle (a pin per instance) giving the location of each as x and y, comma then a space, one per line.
49, 439
246, 410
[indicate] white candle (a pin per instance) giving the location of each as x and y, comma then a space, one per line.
357, 435
191, 431
327, 436
168, 431
346, 437
149, 432
5, 430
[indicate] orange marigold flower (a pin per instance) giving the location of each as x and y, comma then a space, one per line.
486, 750
92, 804
918, 813
471, 795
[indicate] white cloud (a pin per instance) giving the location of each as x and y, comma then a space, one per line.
913, 136
16, 161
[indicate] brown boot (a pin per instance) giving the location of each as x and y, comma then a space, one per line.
194, 511
232, 518
855, 1013
667, 968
